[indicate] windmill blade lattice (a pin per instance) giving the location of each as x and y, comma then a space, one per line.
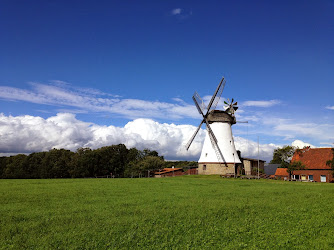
219, 93
194, 135
211, 106
200, 102
216, 92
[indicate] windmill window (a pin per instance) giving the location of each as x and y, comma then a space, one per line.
206, 154
231, 142
204, 167
323, 178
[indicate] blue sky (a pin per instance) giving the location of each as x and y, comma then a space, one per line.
128, 69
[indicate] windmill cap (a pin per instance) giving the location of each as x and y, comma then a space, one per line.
220, 116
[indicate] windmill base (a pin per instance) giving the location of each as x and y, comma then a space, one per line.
211, 168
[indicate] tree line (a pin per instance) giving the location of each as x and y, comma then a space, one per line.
115, 161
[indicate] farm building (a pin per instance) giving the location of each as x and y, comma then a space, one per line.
251, 165
191, 170
169, 172
314, 160
282, 173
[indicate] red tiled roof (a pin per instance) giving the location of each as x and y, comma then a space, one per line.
281, 172
314, 158
168, 170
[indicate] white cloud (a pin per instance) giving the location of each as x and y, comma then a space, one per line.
176, 11
262, 104
29, 133
181, 13
62, 95
25, 134
281, 129
300, 144
330, 107
251, 149
310, 130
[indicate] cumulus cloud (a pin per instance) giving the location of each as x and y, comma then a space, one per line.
262, 104
300, 144
330, 107
251, 149
26, 134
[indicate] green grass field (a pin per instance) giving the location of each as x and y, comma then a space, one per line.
182, 212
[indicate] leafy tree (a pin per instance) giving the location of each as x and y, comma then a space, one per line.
141, 162
132, 168
16, 167
150, 163
111, 159
147, 152
3, 164
283, 156
61, 163
82, 163
135, 155
34, 165
56, 164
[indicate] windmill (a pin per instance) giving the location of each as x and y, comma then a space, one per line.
219, 155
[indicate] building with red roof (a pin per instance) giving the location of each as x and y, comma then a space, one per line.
314, 160
282, 173
169, 172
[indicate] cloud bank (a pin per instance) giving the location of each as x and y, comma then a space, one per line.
26, 134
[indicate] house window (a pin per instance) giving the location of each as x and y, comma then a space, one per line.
204, 167
310, 177
323, 178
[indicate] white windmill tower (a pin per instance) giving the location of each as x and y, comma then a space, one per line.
219, 155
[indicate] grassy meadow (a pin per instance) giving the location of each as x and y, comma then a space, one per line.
201, 212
